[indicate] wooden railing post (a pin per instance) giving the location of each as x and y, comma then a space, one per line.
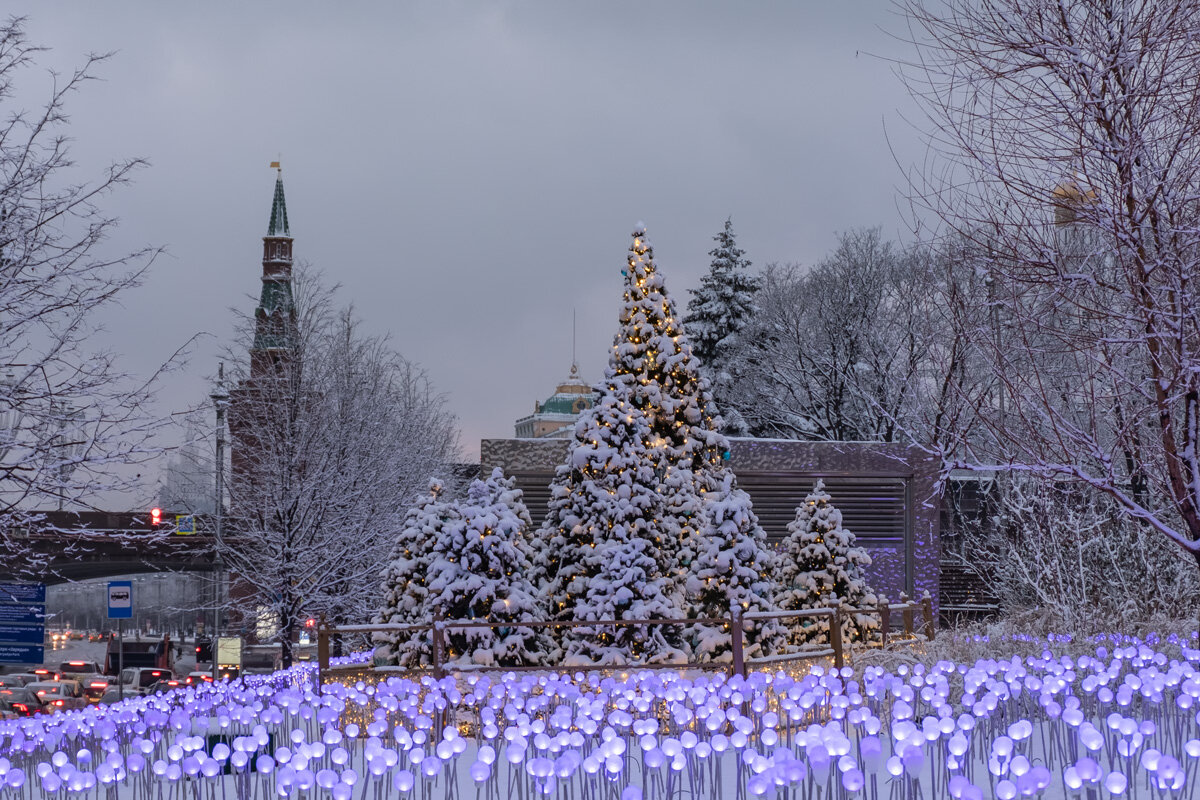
322, 651
927, 612
835, 634
736, 632
885, 618
907, 614
435, 636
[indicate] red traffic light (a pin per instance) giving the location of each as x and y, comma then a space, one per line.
155, 516
310, 623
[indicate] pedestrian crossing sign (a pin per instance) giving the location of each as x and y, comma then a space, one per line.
185, 524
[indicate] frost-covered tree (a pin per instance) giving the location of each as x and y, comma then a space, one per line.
736, 568
1066, 150
406, 576
479, 570
601, 549
70, 419
329, 442
718, 312
856, 348
820, 562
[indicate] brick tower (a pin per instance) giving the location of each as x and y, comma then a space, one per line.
259, 405
275, 317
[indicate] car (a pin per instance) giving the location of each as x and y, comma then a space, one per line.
165, 686
94, 686
46, 674
114, 695
20, 697
17, 679
73, 669
197, 678
12, 709
59, 695
137, 680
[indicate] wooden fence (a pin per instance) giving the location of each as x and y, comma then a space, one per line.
736, 622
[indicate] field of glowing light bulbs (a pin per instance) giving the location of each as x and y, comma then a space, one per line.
1121, 721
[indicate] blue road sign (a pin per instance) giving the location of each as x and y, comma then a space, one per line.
22, 634
23, 615
22, 593
120, 599
22, 653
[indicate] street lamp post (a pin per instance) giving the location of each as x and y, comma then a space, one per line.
220, 398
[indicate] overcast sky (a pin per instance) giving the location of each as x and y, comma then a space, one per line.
470, 172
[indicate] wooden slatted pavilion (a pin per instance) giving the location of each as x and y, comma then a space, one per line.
887, 493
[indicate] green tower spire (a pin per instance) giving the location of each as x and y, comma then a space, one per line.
279, 221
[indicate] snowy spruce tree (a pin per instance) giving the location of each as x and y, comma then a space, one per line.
405, 578
819, 561
480, 570
736, 568
718, 312
601, 549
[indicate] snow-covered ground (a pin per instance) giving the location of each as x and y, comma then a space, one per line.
1119, 722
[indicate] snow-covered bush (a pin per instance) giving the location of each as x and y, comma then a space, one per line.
820, 563
1075, 558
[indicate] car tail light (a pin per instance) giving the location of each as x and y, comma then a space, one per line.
98, 685
58, 702
21, 707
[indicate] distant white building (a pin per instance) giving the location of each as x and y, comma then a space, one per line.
554, 418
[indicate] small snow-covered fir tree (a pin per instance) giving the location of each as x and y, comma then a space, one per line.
405, 578
818, 562
735, 569
480, 570
718, 312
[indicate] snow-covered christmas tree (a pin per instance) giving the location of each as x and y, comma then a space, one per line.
405, 578
633, 488
719, 311
819, 561
480, 571
601, 546
735, 569
653, 350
